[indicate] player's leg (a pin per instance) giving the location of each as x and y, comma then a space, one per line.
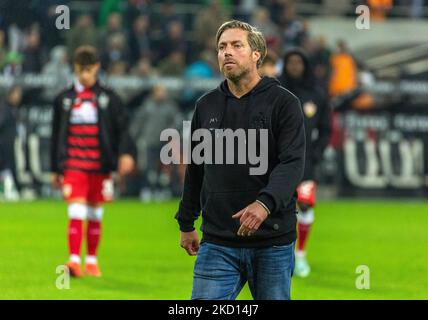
8, 189
75, 193
269, 272
101, 191
304, 224
305, 218
93, 236
217, 274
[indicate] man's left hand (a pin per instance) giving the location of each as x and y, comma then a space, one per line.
250, 218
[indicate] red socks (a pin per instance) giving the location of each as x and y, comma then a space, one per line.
303, 233
93, 233
77, 213
75, 236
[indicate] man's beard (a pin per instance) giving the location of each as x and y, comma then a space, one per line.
235, 76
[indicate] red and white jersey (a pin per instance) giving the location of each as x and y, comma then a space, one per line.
83, 145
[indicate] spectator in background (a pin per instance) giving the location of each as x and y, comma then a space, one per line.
59, 68
244, 9
157, 113
173, 65
345, 87
166, 16
261, 19
276, 9
16, 38
83, 33
204, 67
144, 68
115, 51
320, 59
379, 8
139, 39
206, 24
8, 132
117, 68
113, 27
344, 73
114, 24
174, 41
13, 66
294, 30
134, 9
34, 55
107, 8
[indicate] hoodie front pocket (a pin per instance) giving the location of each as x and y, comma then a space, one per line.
220, 208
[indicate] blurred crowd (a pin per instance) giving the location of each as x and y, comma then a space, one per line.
147, 38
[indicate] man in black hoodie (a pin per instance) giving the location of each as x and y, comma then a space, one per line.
298, 78
248, 221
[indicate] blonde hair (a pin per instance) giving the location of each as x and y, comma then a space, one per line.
255, 38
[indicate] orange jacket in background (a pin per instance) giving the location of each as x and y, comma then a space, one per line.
378, 9
344, 77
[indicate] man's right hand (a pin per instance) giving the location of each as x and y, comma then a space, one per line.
190, 242
56, 180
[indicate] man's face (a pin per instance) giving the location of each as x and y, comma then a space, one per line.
295, 66
235, 57
87, 75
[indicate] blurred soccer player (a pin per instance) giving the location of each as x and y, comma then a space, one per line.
297, 77
248, 221
89, 141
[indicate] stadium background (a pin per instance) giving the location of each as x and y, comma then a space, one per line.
159, 56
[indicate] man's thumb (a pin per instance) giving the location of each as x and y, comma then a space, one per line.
239, 214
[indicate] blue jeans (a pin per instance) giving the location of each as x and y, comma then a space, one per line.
221, 272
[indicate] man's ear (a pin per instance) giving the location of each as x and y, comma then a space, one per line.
256, 56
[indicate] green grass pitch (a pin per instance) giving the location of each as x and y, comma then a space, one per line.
140, 256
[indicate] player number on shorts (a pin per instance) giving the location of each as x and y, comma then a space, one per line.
108, 189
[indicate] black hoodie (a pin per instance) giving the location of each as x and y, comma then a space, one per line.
315, 110
221, 190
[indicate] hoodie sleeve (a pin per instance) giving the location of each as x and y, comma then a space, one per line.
289, 132
190, 207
